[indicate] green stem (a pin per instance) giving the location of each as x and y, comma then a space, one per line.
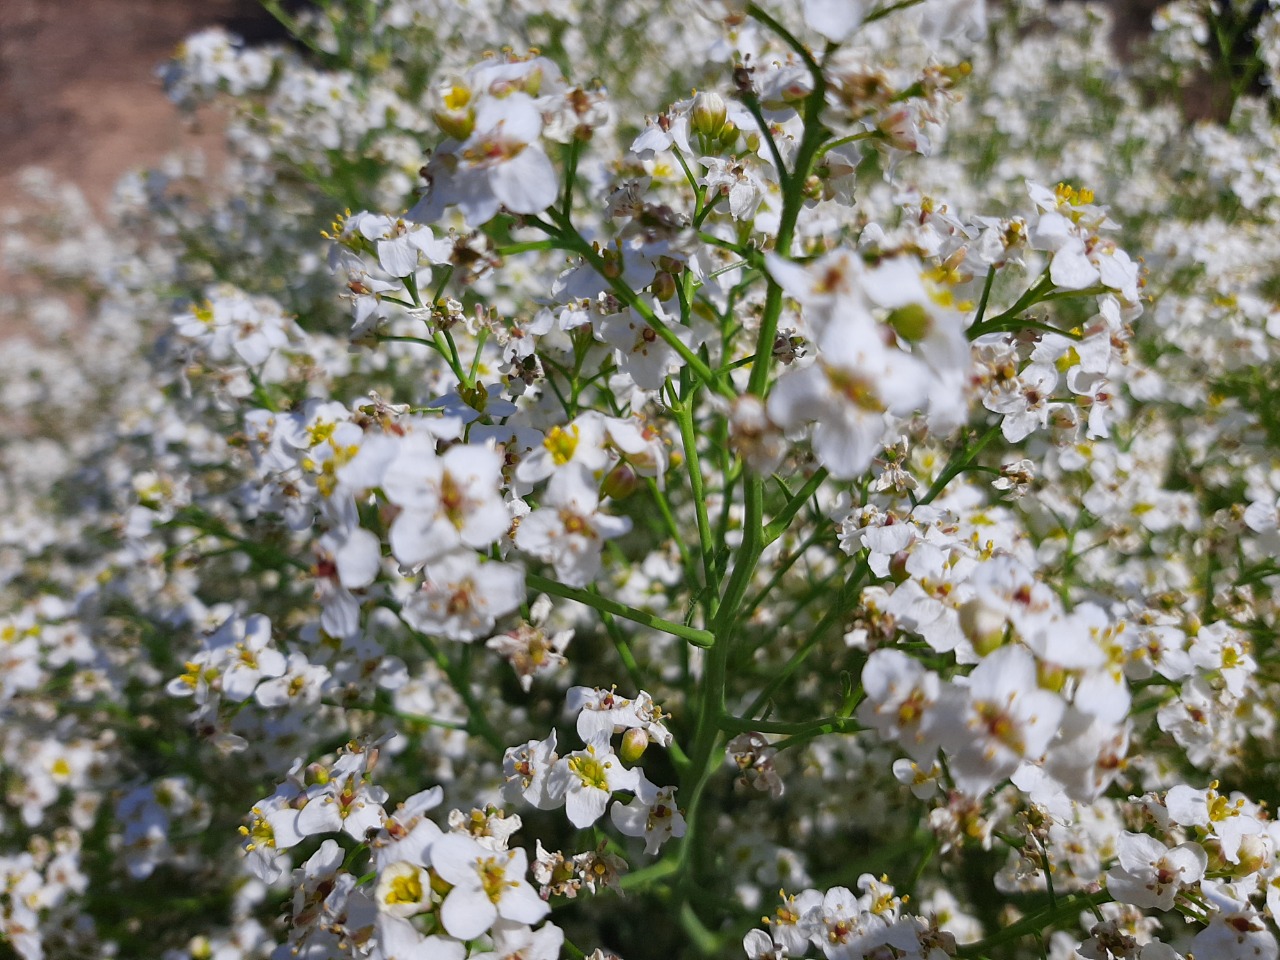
793, 186
807, 728
706, 544
957, 464
569, 239
1066, 908
699, 638
270, 557
779, 524
985, 298
623, 649
843, 141
790, 561
1032, 296
673, 528
527, 246
645, 876
890, 9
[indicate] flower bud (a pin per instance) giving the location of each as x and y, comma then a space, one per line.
708, 115
634, 743
1252, 855
1050, 676
728, 138
621, 482
983, 626
911, 322
898, 567
439, 885
664, 286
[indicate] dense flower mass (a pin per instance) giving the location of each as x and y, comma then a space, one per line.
693, 478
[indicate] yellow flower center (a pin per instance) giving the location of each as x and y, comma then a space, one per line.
591, 771
406, 889
493, 878
561, 444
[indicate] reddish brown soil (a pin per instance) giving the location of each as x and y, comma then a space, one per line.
79, 95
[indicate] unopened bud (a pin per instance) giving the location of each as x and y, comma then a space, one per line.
1050, 676
728, 138
634, 743
1252, 855
439, 884
457, 126
911, 322
708, 115
898, 567
664, 286
621, 482
983, 626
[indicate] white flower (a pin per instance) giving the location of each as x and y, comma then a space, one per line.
512, 941
400, 243
900, 693
640, 351
1228, 821
1235, 932
581, 443
461, 597
345, 804
842, 928
587, 778
853, 382
449, 501
526, 769
567, 530
236, 657
651, 814
601, 712
407, 834
758, 945
1025, 401
500, 164
487, 884
1005, 718
1149, 874
531, 648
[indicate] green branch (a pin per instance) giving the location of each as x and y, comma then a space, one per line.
699, 638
